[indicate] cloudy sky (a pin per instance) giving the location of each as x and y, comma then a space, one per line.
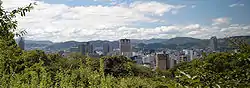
85, 20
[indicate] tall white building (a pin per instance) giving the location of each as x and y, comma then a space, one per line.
191, 55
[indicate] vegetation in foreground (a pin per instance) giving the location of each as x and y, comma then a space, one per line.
31, 69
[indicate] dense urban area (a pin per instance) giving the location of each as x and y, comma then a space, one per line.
153, 53
180, 62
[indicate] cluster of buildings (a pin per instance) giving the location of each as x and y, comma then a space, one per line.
162, 60
156, 60
165, 59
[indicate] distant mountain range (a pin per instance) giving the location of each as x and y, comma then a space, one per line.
148, 41
173, 43
193, 43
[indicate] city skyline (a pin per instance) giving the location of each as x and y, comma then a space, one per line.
87, 20
117, 40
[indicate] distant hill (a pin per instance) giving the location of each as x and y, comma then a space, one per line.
173, 43
62, 45
176, 43
186, 43
148, 41
31, 44
192, 43
69, 44
182, 40
38, 42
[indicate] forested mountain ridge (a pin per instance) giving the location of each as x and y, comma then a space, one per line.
173, 43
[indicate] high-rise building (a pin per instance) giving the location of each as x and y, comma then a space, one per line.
106, 48
172, 63
125, 47
82, 48
86, 48
162, 61
89, 48
191, 55
213, 43
21, 43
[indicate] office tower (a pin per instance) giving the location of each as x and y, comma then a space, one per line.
106, 48
172, 63
125, 47
191, 55
86, 48
213, 43
21, 43
82, 48
89, 48
162, 61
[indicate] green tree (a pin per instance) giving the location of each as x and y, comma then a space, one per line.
214, 70
117, 66
9, 51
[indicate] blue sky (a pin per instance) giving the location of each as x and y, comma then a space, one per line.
85, 20
204, 10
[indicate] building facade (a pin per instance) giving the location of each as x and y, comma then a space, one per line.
106, 48
125, 47
89, 48
82, 48
213, 43
21, 43
86, 48
162, 61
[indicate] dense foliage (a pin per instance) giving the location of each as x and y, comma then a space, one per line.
32, 69
217, 69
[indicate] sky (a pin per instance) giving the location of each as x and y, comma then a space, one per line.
86, 20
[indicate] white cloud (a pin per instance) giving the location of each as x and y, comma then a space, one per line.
59, 22
193, 6
13, 4
174, 12
236, 5
156, 7
222, 21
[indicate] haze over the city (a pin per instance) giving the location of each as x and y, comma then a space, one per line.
86, 20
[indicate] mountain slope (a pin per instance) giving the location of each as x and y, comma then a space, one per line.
182, 40
62, 45
173, 43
